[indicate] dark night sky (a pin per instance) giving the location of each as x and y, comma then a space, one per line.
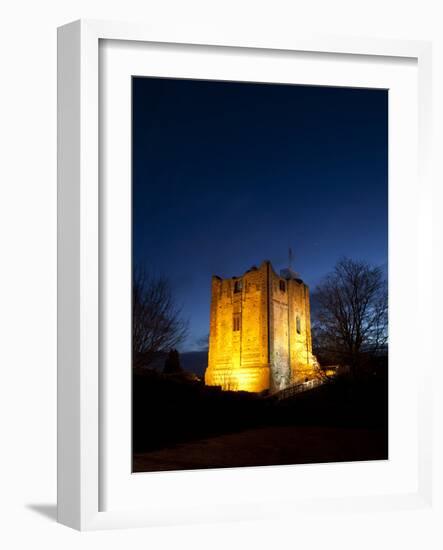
226, 175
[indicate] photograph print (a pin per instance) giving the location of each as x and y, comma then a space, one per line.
259, 274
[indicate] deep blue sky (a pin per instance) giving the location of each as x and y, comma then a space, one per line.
228, 174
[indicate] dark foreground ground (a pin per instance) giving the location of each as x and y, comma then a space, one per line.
179, 424
271, 445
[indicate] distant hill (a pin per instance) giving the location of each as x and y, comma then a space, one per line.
191, 361
194, 361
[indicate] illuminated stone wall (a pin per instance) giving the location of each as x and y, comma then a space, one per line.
238, 338
280, 370
302, 360
254, 344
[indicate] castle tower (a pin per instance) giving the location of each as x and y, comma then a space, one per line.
260, 331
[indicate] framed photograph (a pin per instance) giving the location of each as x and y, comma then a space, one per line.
243, 250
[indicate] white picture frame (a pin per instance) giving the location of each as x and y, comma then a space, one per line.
80, 444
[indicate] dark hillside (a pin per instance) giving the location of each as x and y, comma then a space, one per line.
174, 409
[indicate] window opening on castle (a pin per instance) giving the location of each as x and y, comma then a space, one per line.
282, 286
237, 286
236, 322
297, 324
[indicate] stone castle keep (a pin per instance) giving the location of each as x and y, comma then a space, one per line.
260, 331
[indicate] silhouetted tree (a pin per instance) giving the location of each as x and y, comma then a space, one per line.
351, 313
172, 363
157, 325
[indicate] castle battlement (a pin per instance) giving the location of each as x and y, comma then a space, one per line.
260, 331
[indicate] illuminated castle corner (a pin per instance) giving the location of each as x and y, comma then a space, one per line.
260, 331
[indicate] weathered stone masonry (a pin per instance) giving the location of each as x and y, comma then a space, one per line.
260, 331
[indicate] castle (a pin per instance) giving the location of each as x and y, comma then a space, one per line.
260, 331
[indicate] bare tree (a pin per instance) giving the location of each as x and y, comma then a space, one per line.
157, 325
352, 316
